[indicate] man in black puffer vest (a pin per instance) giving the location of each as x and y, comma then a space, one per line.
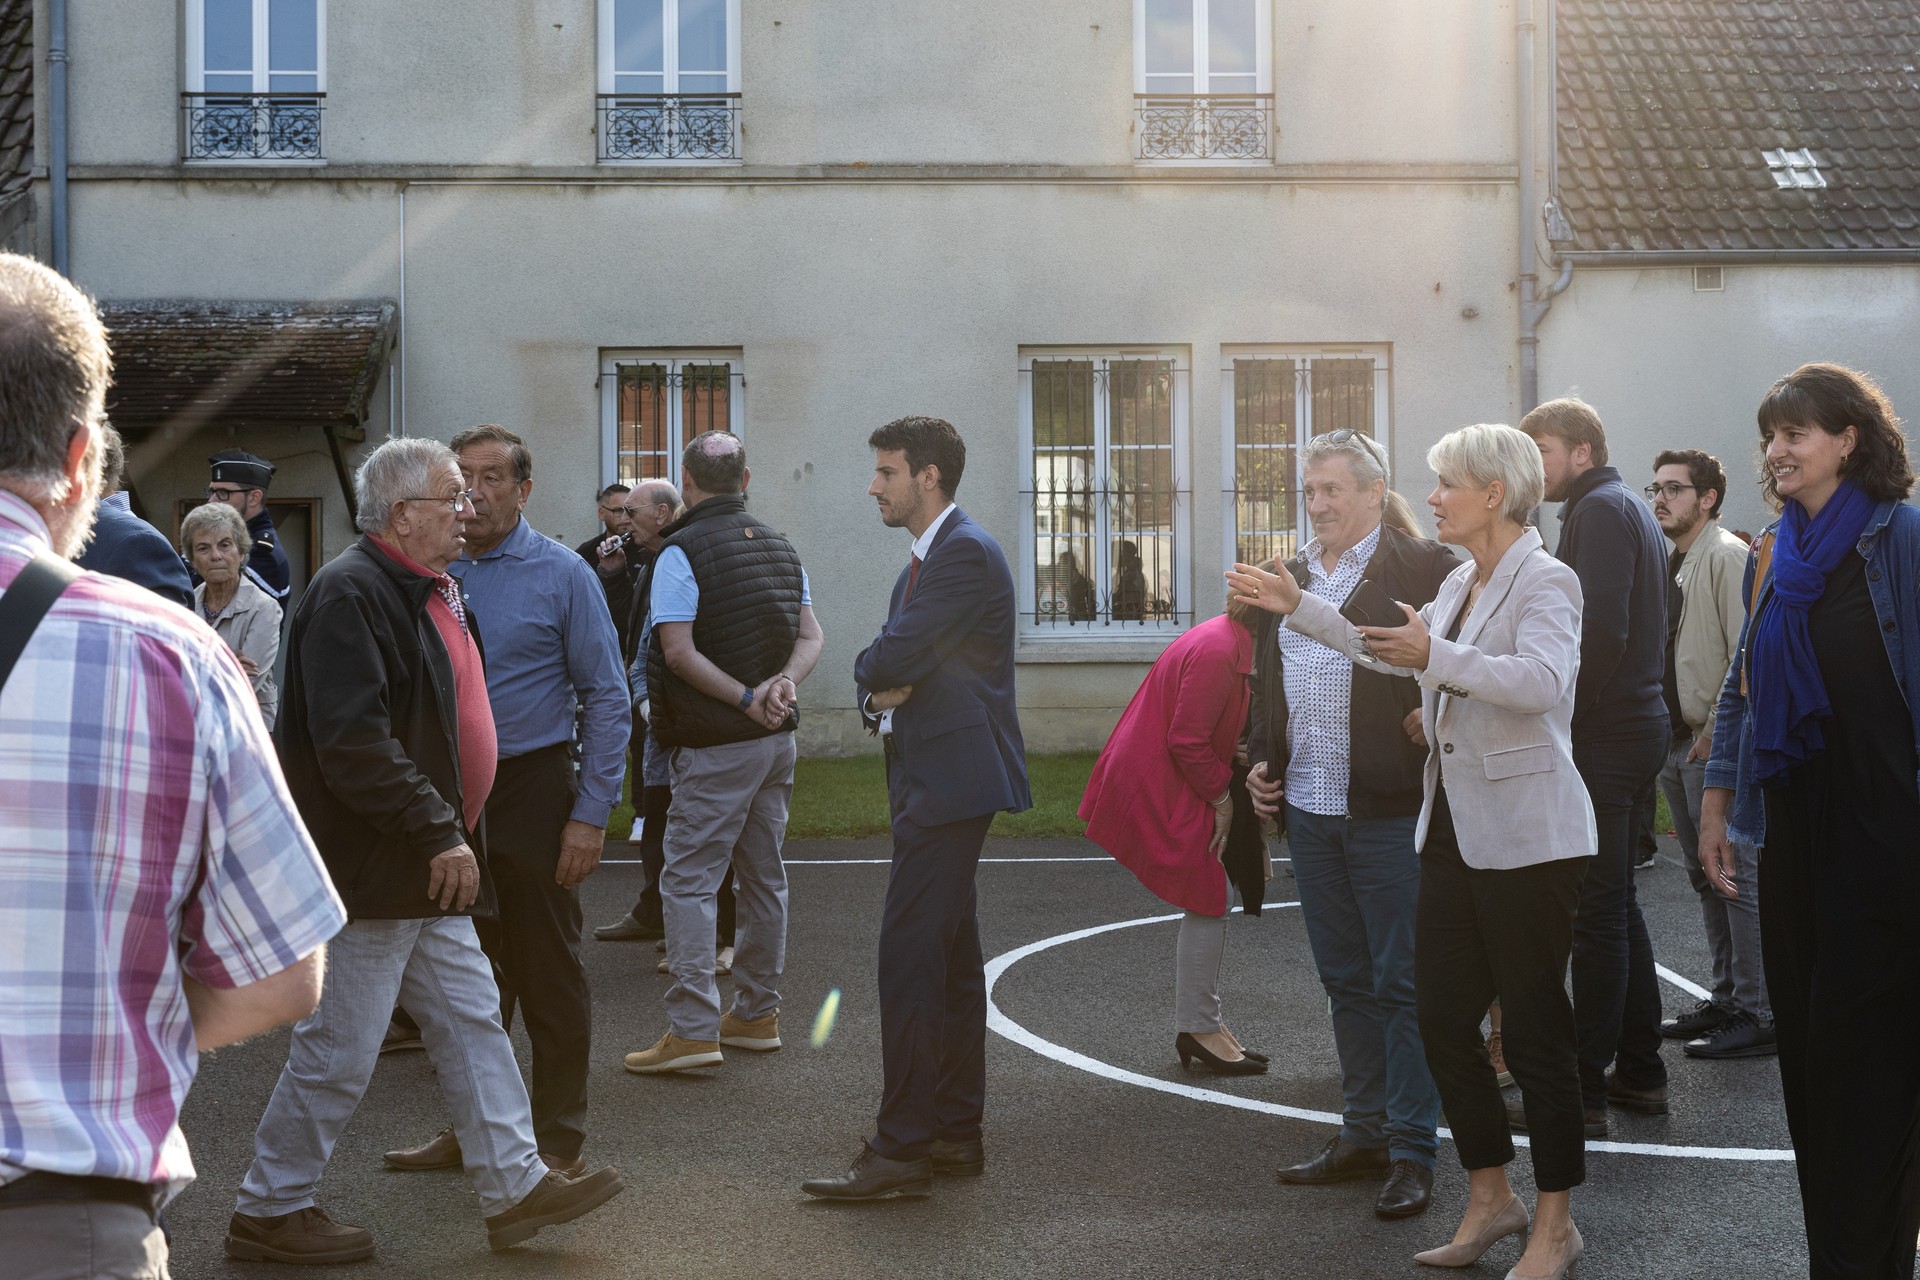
733, 635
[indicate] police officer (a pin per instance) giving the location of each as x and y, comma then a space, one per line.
240, 480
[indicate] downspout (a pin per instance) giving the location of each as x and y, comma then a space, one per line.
1534, 302
57, 127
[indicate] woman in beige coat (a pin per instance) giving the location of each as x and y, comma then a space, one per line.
214, 539
1504, 832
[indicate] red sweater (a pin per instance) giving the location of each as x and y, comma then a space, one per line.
479, 745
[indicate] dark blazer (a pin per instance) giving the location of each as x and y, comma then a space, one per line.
1608, 536
125, 546
1384, 765
957, 746
368, 736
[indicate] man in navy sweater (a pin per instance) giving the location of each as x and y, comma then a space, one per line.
126, 546
1620, 728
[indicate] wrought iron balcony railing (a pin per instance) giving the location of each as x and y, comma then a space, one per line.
1204, 126
252, 126
669, 126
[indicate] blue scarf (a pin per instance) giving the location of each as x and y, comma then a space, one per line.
1789, 699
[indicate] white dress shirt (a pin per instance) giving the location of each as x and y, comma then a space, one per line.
922, 545
1319, 685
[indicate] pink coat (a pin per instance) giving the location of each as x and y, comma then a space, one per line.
1170, 756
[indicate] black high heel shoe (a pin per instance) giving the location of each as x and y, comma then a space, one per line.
1188, 1048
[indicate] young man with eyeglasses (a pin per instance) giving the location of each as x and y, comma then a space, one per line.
1705, 613
240, 480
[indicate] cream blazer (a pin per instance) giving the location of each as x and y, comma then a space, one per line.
1498, 707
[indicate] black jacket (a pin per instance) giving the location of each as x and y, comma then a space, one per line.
1609, 537
618, 587
368, 736
1384, 765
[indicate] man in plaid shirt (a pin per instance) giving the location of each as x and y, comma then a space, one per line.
160, 893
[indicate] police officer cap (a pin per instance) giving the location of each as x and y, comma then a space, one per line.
237, 466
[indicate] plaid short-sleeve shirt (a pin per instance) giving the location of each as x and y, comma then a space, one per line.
146, 835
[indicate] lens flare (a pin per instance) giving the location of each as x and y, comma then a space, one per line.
823, 1020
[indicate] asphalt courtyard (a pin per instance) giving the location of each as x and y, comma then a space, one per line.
1105, 1158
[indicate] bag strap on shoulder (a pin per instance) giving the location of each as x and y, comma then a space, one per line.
26, 602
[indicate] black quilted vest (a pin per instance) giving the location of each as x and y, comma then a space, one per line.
747, 622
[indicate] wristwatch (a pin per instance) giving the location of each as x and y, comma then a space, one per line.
746, 697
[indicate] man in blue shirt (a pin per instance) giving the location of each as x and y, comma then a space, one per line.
549, 643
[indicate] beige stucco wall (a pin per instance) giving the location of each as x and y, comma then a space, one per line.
1671, 368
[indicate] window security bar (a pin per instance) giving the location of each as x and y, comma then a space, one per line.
1203, 126
252, 126
669, 126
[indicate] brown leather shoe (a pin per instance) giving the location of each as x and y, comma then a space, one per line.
303, 1236
1648, 1102
442, 1151
1593, 1120
565, 1168
553, 1200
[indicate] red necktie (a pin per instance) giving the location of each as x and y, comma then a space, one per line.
913, 576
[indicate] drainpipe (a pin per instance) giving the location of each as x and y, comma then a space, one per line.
1531, 310
57, 126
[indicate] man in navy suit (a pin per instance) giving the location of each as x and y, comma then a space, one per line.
938, 688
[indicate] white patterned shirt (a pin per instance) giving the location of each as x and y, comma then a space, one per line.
1319, 685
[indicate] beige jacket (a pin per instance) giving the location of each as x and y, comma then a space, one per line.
1498, 708
250, 624
1711, 615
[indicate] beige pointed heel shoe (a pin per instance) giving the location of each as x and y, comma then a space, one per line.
1510, 1221
1569, 1262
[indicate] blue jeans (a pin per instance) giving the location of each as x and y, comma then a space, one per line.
436, 969
1359, 883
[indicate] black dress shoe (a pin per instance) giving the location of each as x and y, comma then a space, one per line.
1408, 1190
1593, 1120
1337, 1162
1697, 1021
1191, 1050
958, 1159
1741, 1036
874, 1177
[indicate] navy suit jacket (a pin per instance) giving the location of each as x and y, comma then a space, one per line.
957, 747
125, 546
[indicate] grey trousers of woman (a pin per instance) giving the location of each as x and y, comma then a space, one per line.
1196, 973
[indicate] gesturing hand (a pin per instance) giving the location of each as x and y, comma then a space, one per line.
613, 555
453, 878
1274, 592
1409, 646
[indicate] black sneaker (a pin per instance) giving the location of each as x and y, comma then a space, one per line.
1703, 1019
1741, 1036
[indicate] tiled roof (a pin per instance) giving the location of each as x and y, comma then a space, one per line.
16, 98
187, 364
1667, 109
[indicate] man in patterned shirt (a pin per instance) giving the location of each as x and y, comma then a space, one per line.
1330, 744
162, 896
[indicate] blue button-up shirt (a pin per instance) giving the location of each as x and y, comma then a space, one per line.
549, 641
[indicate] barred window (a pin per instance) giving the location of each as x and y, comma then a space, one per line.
1276, 399
1105, 438
652, 403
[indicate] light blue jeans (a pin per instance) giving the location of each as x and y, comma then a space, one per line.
1359, 885
729, 817
435, 968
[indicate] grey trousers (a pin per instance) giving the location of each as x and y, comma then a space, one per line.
100, 1239
729, 813
1196, 973
1733, 925
436, 968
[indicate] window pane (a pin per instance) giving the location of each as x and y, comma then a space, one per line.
1342, 395
1140, 482
229, 35
1233, 84
1230, 38
702, 84
655, 83
641, 443
1169, 38
293, 35
637, 44
1264, 443
1064, 508
293, 84
230, 84
703, 399
703, 37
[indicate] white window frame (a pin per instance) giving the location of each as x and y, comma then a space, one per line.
1202, 76
261, 72
1030, 633
675, 358
670, 72
1304, 429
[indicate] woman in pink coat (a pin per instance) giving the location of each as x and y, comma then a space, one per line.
1158, 802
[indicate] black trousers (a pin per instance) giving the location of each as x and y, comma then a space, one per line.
1616, 993
933, 989
535, 942
1481, 934
1837, 912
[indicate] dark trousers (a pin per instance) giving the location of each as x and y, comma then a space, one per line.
1616, 994
933, 990
535, 942
1481, 934
653, 860
1837, 912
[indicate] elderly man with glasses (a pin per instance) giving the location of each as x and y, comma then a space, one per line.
1335, 759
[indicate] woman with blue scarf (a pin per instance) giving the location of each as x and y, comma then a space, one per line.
1814, 759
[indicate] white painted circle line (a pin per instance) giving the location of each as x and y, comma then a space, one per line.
999, 1023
